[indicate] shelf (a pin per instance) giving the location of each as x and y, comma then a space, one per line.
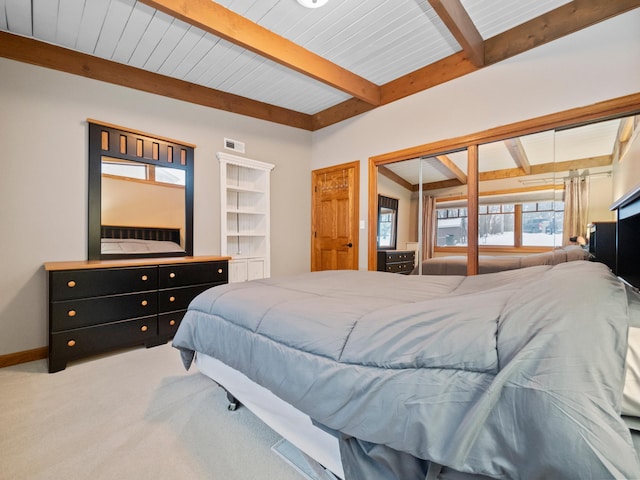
244, 212
235, 188
245, 216
238, 234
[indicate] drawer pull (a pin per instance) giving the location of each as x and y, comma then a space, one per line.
144, 328
71, 313
71, 343
220, 270
172, 322
144, 303
172, 299
71, 284
144, 278
172, 275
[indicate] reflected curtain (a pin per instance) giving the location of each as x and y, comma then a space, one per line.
576, 205
428, 226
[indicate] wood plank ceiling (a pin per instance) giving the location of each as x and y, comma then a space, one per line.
279, 61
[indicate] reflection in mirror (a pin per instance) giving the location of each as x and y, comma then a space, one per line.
537, 192
387, 222
142, 196
520, 205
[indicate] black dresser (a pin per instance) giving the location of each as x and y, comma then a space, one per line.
602, 243
396, 261
98, 306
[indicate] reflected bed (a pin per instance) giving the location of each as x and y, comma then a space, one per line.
457, 265
127, 240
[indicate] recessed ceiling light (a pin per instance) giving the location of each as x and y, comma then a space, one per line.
312, 3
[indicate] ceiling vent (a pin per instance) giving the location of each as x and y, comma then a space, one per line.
234, 145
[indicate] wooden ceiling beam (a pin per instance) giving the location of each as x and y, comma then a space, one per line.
541, 169
43, 54
543, 29
224, 23
437, 73
560, 22
394, 177
553, 167
457, 20
447, 163
552, 25
517, 152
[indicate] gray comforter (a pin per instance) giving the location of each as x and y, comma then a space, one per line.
516, 374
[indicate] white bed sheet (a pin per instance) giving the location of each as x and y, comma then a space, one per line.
284, 419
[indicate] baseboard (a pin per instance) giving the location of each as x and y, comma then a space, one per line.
23, 357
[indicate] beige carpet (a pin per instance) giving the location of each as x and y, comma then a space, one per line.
135, 414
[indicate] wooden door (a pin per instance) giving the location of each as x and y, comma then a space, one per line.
334, 217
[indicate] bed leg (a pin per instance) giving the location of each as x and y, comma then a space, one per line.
233, 402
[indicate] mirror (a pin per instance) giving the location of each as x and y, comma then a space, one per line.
387, 223
524, 203
140, 195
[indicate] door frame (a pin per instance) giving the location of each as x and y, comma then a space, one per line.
354, 213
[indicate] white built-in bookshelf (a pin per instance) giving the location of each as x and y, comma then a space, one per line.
245, 216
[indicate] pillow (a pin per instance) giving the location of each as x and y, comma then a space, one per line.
631, 392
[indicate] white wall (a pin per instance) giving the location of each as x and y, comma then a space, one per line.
43, 180
391, 189
592, 65
626, 171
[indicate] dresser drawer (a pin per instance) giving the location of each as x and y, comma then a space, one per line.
84, 341
93, 311
179, 298
70, 284
403, 267
392, 257
192, 274
168, 323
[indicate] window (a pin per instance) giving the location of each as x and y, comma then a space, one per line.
143, 171
541, 224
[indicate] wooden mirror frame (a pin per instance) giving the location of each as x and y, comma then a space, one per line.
107, 140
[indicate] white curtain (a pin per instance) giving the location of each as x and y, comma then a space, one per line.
428, 226
576, 206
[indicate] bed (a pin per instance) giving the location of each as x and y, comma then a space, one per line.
457, 265
504, 375
127, 240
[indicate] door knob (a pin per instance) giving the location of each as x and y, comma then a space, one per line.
348, 245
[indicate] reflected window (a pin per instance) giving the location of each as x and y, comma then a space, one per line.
542, 223
496, 224
143, 171
451, 227
124, 169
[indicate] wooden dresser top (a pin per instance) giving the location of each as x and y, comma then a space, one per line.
133, 262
